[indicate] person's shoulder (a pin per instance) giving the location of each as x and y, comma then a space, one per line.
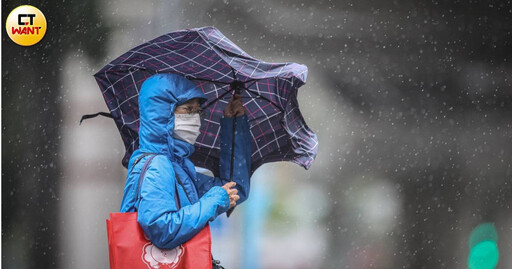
160, 160
160, 171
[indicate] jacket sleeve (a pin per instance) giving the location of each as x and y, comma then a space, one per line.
242, 161
158, 214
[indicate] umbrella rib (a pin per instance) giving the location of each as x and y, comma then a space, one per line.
207, 80
234, 73
264, 98
249, 91
210, 103
246, 88
158, 72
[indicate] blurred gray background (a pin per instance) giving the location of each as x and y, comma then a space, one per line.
411, 100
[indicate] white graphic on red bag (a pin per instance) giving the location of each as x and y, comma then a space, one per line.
156, 258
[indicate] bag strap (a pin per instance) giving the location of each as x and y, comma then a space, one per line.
178, 181
143, 171
140, 158
176, 198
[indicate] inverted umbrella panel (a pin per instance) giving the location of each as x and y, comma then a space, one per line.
219, 68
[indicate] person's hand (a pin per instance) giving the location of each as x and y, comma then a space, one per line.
234, 107
232, 193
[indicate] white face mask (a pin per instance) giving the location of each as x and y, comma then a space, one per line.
186, 127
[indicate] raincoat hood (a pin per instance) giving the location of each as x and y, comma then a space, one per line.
159, 96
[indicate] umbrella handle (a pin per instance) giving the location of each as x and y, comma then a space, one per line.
232, 160
230, 211
238, 89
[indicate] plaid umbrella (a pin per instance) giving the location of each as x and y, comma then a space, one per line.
219, 68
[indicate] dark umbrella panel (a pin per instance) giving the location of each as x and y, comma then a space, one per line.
278, 131
219, 68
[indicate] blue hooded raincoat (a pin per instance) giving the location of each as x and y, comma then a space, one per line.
201, 197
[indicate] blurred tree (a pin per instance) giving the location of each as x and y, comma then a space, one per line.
31, 117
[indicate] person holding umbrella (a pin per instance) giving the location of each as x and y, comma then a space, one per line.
174, 202
226, 75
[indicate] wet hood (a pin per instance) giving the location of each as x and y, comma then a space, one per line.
159, 96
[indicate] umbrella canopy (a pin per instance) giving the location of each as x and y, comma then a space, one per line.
219, 68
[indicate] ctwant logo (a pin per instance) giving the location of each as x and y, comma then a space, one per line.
26, 25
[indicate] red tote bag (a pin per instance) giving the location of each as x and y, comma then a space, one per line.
129, 248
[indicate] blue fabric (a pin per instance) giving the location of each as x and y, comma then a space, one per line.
201, 197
